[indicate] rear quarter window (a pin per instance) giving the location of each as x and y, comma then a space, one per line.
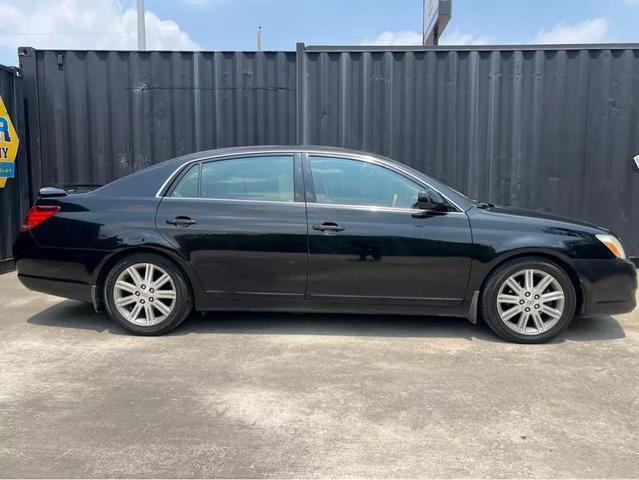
188, 186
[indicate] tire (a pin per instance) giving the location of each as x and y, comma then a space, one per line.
162, 303
544, 313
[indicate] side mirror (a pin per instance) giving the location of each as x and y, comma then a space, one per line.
425, 202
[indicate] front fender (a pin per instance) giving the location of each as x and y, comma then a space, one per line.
498, 237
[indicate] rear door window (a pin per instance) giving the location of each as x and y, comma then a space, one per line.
266, 178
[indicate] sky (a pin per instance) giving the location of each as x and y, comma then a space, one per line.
231, 24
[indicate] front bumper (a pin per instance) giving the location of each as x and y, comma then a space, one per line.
609, 287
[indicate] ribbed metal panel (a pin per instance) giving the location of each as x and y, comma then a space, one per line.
14, 196
552, 130
102, 115
547, 128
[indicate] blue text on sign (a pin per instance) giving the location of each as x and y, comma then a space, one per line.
4, 130
7, 169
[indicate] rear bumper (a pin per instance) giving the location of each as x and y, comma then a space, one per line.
609, 286
59, 288
55, 271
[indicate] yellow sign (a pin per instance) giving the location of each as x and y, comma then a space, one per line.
9, 142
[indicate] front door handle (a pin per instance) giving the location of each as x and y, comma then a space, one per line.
328, 227
181, 221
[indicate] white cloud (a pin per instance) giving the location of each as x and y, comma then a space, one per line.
409, 37
81, 24
590, 31
458, 38
403, 37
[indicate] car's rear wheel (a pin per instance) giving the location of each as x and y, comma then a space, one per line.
528, 300
147, 294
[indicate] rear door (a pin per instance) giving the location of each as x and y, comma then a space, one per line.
241, 223
367, 242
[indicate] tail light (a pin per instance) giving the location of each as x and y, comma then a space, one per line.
38, 214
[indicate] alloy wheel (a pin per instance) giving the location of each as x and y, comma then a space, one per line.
530, 302
144, 294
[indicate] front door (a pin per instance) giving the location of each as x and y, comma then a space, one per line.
368, 243
241, 225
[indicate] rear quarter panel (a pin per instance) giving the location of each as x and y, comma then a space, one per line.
92, 227
87, 230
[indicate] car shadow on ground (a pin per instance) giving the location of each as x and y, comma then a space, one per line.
70, 314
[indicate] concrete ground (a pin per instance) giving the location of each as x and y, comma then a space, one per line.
273, 395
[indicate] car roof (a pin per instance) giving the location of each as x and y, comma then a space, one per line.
277, 148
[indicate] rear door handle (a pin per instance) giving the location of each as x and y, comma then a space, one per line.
328, 227
181, 221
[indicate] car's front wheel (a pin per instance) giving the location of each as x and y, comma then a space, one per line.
147, 294
528, 300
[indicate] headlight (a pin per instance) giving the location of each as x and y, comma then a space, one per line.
613, 244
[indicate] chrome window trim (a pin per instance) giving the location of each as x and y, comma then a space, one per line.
244, 200
373, 208
309, 152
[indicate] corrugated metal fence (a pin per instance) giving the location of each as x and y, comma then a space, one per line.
548, 128
14, 197
102, 115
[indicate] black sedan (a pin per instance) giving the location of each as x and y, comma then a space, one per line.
315, 229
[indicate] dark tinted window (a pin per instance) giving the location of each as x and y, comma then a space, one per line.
351, 182
188, 185
249, 178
